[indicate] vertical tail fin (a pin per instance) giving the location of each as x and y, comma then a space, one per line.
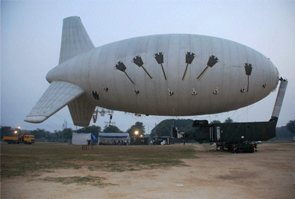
75, 39
81, 110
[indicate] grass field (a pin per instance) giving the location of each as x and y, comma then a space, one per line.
64, 171
20, 160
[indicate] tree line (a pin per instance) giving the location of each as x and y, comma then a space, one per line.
65, 135
164, 128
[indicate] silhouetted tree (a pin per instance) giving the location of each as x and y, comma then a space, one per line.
138, 126
215, 122
90, 129
165, 127
291, 126
67, 134
112, 129
5, 130
228, 120
40, 134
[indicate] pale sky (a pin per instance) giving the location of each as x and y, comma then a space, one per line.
31, 36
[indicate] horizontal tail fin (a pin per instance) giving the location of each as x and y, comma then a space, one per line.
55, 97
75, 39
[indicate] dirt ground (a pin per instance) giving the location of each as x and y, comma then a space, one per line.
269, 173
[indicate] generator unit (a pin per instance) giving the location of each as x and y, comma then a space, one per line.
242, 136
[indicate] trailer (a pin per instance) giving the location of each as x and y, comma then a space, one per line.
242, 136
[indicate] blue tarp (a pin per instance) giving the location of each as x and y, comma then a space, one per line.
93, 138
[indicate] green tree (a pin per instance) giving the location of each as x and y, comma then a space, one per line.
112, 129
291, 126
228, 120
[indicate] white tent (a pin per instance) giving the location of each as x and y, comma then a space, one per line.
81, 138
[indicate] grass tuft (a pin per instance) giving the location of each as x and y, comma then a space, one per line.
83, 180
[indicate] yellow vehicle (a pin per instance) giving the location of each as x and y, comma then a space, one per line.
16, 139
28, 139
11, 139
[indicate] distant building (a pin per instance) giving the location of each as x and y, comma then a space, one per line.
113, 138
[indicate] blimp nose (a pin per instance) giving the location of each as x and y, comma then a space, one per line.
274, 75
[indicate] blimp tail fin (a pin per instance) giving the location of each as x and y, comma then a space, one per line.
57, 95
74, 40
81, 110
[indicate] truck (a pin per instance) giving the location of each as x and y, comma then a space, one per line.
17, 137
